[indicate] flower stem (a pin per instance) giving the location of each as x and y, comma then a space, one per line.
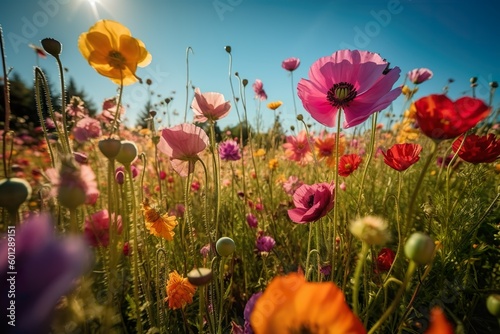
368, 160
409, 273
187, 81
357, 276
335, 192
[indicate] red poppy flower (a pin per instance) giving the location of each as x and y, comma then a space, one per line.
385, 258
402, 156
348, 163
440, 118
478, 149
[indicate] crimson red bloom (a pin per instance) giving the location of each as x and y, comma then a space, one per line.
312, 202
478, 149
440, 118
348, 163
385, 258
402, 156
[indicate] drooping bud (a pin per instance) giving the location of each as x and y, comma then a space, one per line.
52, 47
227, 48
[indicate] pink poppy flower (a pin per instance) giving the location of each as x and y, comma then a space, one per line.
264, 243
183, 143
209, 106
312, 202
86, 128
258, 88
96, 228
109, 109
419, 75
290, 64
297, 148
357, 82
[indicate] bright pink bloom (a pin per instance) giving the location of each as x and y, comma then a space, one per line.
229, 150
252, 220
258, 88
290, 64
348, 163
401, 156
478, 149
419, 75
183, 143
96, 228
312, 202
209, 106
357, 82
298, 148
86, 128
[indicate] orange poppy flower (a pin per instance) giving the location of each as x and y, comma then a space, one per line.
439, 323
325, 148
179, 291
111, 50
292, 305
157, 224
274, 105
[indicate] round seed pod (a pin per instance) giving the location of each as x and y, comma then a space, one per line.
128, 152
493, 305
420, 248
200, 276
110, 147
225, 246
13, 192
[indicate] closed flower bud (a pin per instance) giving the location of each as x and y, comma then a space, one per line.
473, 80
300, 117
110, 147
128, 152
71, 196
227, 48
13, 192
200, 276
494, 84
225, 246
419, 248
52, 47
493, 305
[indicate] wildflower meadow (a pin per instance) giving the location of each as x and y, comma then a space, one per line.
343, 224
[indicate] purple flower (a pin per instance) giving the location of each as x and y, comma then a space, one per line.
248, 311
265, 243
46, 268
229, 150
252, 220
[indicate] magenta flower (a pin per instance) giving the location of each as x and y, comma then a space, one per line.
229, 150
312, 202
264, 243
357, 82
258, 88
46, 268
290, 64
209, 106
419, 75
86, 128
183, 143
96, 228
252, 220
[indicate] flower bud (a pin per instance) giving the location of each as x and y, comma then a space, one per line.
473, 80
225, 246
419, 248
128, 152
494, 84
493, 305
300, 117
227, 48
200, 276
52, 47
109, 147
13, 192
71, 197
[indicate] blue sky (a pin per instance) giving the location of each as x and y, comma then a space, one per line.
455, 39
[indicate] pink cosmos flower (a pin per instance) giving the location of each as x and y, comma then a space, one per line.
229, 150
96, 228
86, 128
419, 75
209, 106
297, 148
47, 268
290, 64
292, 184
183, 143
312, 202
258, 88
357, 82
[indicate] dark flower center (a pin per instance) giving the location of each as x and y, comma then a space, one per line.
310, 201
341, 94
116, 59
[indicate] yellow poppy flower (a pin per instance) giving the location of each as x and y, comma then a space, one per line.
292, 305
179, 291
274, 105
159, 225
111, 50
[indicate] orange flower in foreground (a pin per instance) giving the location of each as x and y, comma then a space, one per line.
292, 305
325, 148
159, 225
439, 323
179, 291
111, 50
